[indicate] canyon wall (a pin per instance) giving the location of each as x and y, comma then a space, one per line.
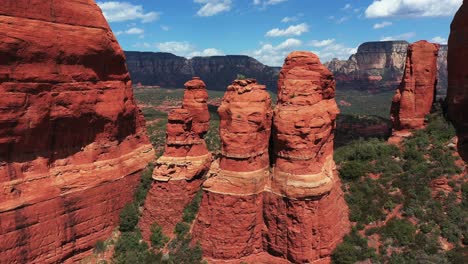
169, 71
72, 140
414, 97
457, 95
379, 66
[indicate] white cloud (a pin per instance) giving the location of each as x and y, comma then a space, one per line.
412, 8
134, 31
206, 53
213, 7
185, 49
404, 36
275, 55
440, 40
321, 43
295, 30
268, 2
347, 7
289, 19
335, 50
165, 28
123, 11
382, 25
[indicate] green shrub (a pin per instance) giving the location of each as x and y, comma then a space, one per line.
128, 218
401, 231
157, 238
99, 247
191, 210
353, 249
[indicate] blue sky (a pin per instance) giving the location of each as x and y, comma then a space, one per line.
269, 29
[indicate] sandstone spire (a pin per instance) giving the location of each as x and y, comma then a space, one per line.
414, 97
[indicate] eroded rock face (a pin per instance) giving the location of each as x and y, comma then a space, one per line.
457, 94
415, 95
178, 172
304, 209
229, 224
72, 140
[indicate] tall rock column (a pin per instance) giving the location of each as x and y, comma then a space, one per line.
179, 171
415, 95
72, 140
229, 223
304, 209
457, 94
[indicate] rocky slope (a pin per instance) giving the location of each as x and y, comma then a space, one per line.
380, 66
457, 95
72, 141
414, 97
168, 70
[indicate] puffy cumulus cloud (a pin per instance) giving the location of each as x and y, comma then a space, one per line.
382, 25
334, 50
274, 55
439, 40
321, 43
295, 30
122, 11
206, 53
213, 7
186, 49
404, 36
412, 8
289, 19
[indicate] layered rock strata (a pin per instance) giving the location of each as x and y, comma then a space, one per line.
179, 171
457, 95
304, 210
229, 224
414, 97
72, 140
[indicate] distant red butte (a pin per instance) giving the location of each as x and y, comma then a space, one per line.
72, 140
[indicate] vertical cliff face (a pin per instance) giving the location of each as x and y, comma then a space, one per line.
179, 171
72, 141
457, 94
379, 66
305, 212
229, 224
415, 95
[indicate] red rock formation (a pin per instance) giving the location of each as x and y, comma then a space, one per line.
415, 95
304, 209
457, 94
229, 223
178, 173
72, 141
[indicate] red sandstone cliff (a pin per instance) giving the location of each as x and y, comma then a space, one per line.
415, 95
304, 209
457, 94
229, 224
179, 172
72, 141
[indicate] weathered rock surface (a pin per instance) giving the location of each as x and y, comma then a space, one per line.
304, 209
178, 172
379, 66
72, 141
415, 95
229, 223
169, 70
457, 94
